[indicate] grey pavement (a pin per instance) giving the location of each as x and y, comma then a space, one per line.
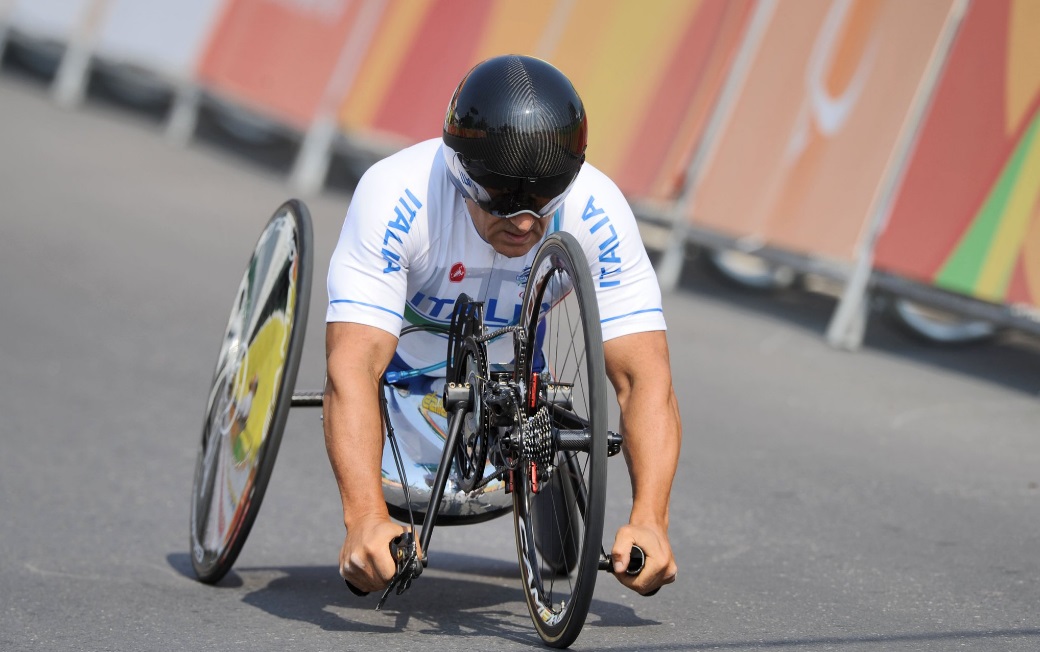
887, 499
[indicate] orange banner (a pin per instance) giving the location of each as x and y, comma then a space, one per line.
647, 72
277, 55
799, 161
967, 217
668, 121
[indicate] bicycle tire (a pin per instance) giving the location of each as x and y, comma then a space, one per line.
263, 341
558, 590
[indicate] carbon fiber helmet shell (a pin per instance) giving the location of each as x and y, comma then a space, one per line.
515, 134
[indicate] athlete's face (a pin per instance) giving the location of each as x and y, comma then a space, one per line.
512, 236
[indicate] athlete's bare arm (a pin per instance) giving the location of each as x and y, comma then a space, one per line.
639, 368
357, 357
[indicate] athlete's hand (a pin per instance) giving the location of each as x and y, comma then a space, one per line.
659, 567
365, 560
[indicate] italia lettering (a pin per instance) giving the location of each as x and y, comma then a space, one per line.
603, 273
404, 214
607, 247
434, 300
438, 305
438, 308
492, 318
393, 261
431, 307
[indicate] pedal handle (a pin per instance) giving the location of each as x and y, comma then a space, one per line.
636, 561
397, 546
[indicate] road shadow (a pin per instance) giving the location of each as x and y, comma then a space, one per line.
181, 563
960, 638
461, 596
1011, 360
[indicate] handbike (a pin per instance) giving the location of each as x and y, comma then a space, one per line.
526, 436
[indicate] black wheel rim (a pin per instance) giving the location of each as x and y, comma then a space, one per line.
559, 530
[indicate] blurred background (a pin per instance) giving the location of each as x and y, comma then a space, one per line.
883, 152
811, 177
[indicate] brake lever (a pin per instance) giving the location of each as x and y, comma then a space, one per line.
405, 554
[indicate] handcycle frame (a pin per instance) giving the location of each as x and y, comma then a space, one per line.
523, 419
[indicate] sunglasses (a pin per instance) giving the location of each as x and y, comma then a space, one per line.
506, 196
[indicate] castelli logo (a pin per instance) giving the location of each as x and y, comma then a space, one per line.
457, 273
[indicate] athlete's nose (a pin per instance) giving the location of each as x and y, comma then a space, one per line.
523, 222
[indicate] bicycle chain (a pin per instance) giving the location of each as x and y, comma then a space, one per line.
487, 337
520, 346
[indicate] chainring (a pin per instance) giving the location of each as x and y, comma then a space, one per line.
471, 455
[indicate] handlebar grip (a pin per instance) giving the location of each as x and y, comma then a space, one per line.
636, 561
395, 547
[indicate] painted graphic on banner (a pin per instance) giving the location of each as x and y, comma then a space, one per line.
277, 56
967, 218
801, 157
648, 73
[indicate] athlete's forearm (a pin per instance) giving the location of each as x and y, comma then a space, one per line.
356, 358
652, 435
354, 440
639, 369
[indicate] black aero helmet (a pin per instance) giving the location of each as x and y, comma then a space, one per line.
514, 136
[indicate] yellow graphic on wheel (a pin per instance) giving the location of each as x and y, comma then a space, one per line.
257, 384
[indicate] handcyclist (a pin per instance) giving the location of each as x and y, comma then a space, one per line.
465, 213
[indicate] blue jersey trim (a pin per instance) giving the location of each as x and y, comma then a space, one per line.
637, 312
367, 305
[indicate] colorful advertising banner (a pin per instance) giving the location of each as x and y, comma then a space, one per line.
667, 122
278, 55
967, 217
800, 158
647, 72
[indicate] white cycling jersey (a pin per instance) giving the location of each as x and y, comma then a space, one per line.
408, 249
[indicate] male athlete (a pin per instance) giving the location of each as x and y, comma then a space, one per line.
465, 213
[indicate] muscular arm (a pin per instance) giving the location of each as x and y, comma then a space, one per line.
356, 357
639, 369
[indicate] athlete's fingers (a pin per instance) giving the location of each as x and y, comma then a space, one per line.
365, 559
658, 567
621, 553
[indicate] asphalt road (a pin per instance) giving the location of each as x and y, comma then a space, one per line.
881, 500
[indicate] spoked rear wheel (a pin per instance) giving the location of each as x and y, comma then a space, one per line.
559, 490
251, 392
